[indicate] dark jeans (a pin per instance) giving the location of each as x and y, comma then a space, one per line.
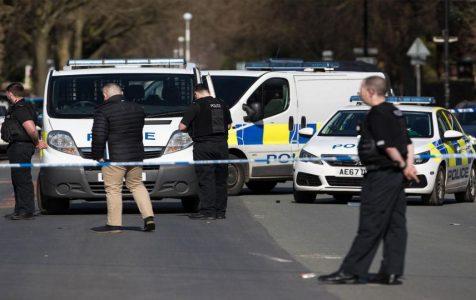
212, 178
21, 177
382, 217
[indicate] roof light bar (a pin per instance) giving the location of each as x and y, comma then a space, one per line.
463, 110
91, 63
401, 100
290, 65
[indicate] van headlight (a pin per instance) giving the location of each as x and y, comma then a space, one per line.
308, 157
422, 158
62, 141
178, 141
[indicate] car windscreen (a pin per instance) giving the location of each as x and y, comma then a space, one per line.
159, 94
231, 88
467, 120
344, 123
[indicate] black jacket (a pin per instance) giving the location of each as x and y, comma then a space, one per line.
119, 124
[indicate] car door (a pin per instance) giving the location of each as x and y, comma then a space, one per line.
269, 137
448, 148
462, 147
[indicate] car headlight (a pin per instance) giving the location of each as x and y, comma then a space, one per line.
308, 157
178, 141
422, 158
62, 141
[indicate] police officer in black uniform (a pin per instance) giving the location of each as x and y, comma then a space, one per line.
387, 152
19, 130
207, 121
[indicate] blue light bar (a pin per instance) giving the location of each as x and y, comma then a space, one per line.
161, 62
290, 65
463, 110
401, 100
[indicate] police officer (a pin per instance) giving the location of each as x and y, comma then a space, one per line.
19, 130
387, 152
207, 121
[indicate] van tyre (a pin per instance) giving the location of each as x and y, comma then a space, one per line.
304, 197
261, 186
236, 177
191, 204
437, 196
49, 205
470, 194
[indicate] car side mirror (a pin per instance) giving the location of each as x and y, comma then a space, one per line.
451, 135
307, 131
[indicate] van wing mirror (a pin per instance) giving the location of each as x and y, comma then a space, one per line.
307, 131
451, 135
252, 115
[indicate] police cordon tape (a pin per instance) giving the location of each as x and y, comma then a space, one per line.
268, 161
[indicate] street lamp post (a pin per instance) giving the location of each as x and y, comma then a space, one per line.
187, 17
181, 40
447, 67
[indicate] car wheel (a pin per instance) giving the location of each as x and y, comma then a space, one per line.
190, 204
236, 177
342, 198
470, 194
49, 205
261, 186
304, 197
437, 196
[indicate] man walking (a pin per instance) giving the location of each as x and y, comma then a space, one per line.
117, 137
387, 152
207, 121
19, 130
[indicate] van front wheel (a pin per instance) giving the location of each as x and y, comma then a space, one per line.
236, 177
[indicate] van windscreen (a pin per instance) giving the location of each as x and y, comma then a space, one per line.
159, 94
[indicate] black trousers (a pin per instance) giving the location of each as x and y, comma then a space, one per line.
20, 152
382, 218
212, 178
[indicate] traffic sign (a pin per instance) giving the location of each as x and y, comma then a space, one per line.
418, 52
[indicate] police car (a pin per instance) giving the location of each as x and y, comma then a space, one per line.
333, 167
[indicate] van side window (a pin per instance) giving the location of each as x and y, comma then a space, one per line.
273, 95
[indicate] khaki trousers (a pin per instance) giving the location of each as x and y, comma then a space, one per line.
113, 182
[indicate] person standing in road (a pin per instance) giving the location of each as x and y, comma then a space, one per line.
207, 121
387, 152
117, 137
19, 130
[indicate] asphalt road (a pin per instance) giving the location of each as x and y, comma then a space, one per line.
59, 257
258, 252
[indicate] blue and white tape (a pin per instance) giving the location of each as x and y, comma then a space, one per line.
267, 161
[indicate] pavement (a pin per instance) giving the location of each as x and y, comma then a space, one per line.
259, 252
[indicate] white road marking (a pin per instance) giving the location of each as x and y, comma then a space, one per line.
273, 258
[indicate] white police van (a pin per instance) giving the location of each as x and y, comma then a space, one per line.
163, 87
270, 102
333, 167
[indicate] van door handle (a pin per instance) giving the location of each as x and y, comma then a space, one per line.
303, 122
291, 123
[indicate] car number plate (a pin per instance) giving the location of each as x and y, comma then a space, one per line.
351, 172
101, 178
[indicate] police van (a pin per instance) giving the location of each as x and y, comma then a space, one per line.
163, 87
270, 102
329, 163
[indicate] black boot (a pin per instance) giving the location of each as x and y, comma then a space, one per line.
149, 224
341, 277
